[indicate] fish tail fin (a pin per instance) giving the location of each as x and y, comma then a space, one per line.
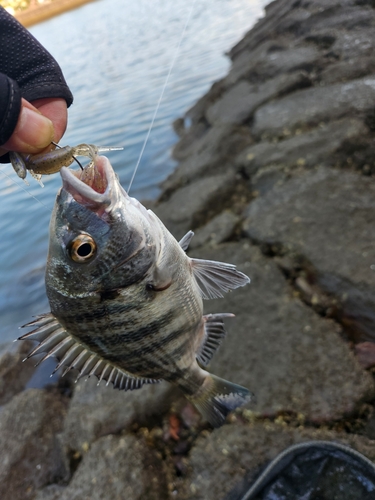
218, 397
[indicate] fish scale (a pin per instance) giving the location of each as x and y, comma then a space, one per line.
126, 301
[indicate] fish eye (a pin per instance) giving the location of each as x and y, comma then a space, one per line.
82, 248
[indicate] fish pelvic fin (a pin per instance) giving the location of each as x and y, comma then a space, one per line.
214, 333
218, 397
54, 340
213, 278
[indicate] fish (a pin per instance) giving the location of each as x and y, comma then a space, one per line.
126, 300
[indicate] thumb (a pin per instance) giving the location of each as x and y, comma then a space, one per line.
33, 131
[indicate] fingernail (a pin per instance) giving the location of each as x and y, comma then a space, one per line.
33, 130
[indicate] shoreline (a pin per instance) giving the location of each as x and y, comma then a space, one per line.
46, 11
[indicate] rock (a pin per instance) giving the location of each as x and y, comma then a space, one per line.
30, 454
281, 349
232, 455
97, 411
194, 204
366, 354
266, 62
238, 104
308, 150
195, 114
118, 467
219, 229
305, 19
353, 306
311, 106
209, 142
51, 492
349, 69
207, 157
14, 374
324, 214
334, 297
355, 42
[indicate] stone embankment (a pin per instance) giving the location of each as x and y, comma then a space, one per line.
276, 175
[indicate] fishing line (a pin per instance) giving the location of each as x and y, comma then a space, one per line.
162, 94
24, 189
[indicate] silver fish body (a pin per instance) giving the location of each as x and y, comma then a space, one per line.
126, 300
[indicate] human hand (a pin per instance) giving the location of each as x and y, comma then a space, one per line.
39, 123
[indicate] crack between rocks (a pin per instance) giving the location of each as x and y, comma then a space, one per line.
320, 291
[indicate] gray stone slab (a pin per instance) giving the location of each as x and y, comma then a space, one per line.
238, 104
194, 204
14, 374
264, 63
30, 454
291, 358
337, 15
207, 155
348, 69
118, 468
97, 411
50, 492
314, 105
356, 42
216, 231
325, 214
221, 461
304, 149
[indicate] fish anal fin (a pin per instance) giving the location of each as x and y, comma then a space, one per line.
218, 397
55, 341
214, 333
185, 240
213, 278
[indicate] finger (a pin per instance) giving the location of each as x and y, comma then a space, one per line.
33, 131
56, 110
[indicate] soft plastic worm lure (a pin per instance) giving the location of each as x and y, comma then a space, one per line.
51, 162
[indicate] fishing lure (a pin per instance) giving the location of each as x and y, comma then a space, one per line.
51, 162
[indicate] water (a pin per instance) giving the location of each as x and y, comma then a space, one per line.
115, 56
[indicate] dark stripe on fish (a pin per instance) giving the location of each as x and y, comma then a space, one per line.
109, 295
83, 316
142, 354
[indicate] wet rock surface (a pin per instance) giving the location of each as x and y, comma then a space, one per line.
275, 175
326, 215
98, 411
117, 468
31, 456
281, 349
14, 375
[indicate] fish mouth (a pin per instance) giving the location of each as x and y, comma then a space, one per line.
92, 187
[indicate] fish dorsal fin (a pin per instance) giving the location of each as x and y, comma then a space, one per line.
214, 333
214, 278
55, 341
185, 241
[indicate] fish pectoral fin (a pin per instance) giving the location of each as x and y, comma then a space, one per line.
214, 278
54, 340
185, 241
214, 333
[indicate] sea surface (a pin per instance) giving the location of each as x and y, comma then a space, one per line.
116, 56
